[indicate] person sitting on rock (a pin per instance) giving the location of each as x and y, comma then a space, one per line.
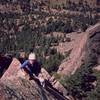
31, 66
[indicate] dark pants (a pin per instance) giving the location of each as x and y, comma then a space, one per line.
28, 72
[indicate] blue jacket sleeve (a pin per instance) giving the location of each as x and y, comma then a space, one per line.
24, 64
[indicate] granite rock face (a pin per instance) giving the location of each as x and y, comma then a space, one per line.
14, 86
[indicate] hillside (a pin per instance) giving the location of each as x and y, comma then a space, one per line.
76, 57
35, 17
84, 83
14, 82
64, 36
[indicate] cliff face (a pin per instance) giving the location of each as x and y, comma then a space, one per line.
88, 39
14, 86
76, 56
19, 91
93, 46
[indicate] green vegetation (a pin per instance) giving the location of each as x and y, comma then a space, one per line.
81, 6
19, 33
32, 28
28, 36
80, 85
52, 64
96, 93
56, 76
49, 58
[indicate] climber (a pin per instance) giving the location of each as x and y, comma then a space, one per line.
31, 66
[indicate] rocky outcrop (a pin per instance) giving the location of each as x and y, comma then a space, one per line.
94, 45
93, 29
97, 68
77, 55
75, 58
56, 84
14, 86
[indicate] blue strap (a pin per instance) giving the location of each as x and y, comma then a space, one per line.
24, 64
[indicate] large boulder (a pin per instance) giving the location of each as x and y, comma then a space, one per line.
14, 86
56, 84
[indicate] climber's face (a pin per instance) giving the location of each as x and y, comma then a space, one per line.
31, 61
